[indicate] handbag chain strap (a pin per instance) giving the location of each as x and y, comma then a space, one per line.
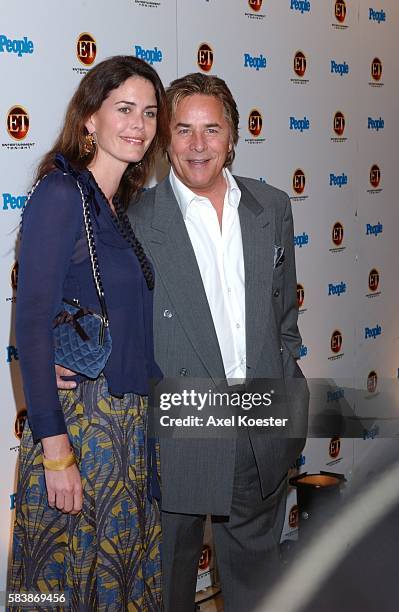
93, 255
91, 246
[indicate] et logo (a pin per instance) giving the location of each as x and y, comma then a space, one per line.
375, 176
20, 422
376, 69
86, 48
339, 123
300, 64
337, 234
205, 558
298, 181
17, 123
340, 10
374, 279
293, 517
205, 57
334, 447
336, 341
14, 276
372, 381
255, 122
300, 295
255, 5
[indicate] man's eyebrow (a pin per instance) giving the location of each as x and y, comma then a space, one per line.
207, 125
134, 104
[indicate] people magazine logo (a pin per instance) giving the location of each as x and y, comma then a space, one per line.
334, 451
255, 9
257, 62
18, 47
377, 16
300, 6
299, 67
340, 68
340, 10
13, 202
151, 56
17, 126
373, 283
205, 57
337, 238
298, 186
338, 126
86, 51
255, 126
300, 298
376, 73
336, 342
375, 179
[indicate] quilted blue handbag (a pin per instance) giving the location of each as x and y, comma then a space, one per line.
82, 340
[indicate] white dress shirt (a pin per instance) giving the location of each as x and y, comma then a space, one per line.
220, 260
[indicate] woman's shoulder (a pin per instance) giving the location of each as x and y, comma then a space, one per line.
56, 196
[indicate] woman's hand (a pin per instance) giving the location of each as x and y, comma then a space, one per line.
64, 487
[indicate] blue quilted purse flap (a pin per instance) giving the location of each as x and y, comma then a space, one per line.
82, 340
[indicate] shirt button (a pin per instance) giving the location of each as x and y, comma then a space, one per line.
238, 325
228, 290
167, 314
276, 292
183, 372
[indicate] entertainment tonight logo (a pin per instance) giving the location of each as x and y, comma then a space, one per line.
255, 126
255, 7
86, 51
18, 125
299, 67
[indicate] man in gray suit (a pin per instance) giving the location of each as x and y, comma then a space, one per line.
225, 307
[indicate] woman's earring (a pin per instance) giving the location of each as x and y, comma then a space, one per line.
90, 144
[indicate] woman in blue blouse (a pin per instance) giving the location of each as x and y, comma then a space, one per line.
85, 524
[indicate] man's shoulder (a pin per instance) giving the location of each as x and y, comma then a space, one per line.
143, 207
265, 194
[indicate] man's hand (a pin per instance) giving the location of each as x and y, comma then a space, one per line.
64, 384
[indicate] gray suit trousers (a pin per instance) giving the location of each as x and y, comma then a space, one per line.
246, 543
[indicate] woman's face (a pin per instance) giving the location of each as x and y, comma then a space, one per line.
125, 123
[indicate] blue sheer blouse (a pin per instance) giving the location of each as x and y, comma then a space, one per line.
54, 264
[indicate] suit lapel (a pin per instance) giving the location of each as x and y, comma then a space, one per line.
171, 250
257, 230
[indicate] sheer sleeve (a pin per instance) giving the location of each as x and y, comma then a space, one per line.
51, 225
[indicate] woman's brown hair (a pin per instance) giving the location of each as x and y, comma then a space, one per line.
89, 96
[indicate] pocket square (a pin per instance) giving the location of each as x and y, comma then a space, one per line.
278, 256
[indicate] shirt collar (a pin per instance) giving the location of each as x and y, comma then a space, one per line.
185, 196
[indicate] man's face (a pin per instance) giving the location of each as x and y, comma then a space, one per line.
200, 142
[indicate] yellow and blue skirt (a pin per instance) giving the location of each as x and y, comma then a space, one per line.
108, 556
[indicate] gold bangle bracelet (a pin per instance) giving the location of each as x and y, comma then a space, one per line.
59, 464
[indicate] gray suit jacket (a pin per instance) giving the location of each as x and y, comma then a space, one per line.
197, 475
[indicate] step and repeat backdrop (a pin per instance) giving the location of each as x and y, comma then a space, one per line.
317, 89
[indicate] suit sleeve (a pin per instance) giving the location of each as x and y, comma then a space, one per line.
290, 336
51, 225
